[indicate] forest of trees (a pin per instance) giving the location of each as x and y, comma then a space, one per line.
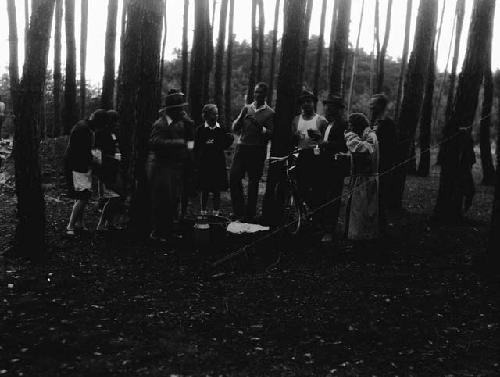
429, 106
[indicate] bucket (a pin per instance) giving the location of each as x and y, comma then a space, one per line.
210, 230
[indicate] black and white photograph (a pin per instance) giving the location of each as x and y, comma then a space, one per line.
249, 188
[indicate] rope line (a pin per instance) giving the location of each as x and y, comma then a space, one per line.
244, 248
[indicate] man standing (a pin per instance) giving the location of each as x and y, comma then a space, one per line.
254, 126
172, 138
388, 144
334, 172
2, 115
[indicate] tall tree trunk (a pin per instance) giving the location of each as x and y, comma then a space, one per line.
305, 40
229, 66
438, 38
485, 124
30, 231
319, 53
210, 55
70, 114
289, 88
424, 164
356, 53
459, 12
260, 64
163, 45
108, 82
13, 43
492, 255
450, 202
56, 130
199, 58
404, 58
340, 46
219, 59
84, 24
273, 53
253, 64
139, 99
185, 51
414, 86
123, 31
383, 50
333, 27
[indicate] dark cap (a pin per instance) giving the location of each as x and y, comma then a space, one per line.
334, 99
98, 118
307, 94
175, 98
379, 99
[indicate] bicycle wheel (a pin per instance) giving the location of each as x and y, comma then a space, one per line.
293, 216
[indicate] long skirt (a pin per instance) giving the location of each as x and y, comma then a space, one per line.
362, 210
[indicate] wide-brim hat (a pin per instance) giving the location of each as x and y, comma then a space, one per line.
173, 100
307, 94
334, 99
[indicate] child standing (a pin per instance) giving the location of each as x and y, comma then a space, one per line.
210, 142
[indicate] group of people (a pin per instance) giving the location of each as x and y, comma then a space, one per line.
179, 150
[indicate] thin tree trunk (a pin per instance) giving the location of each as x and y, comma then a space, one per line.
84, 23
219, 58
455, 166
376, 41
438, 39
356, 53
340, 46
199, 57
139, 100
229, 66
404, 58
415, 86
260, 64
273, 53
108, 82
185, 51
305, 40
319, 53
253, 63
123, 23
383, 50
163, 45
30, 230
13, 45
485, 124
56, 130
460, 12
424, 164
289, 88
333, 27
70, 109
210, 55
26, 26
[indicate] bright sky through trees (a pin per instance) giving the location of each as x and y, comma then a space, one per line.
98, 13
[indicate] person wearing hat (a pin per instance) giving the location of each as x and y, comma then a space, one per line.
332, 179
307, 128
254, 126
80, 160
170, 143
387, 137
362, 209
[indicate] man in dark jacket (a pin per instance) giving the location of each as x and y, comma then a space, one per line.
172, 138
254, 126
334, 172
388, 143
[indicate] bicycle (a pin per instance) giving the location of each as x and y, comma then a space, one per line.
286, 192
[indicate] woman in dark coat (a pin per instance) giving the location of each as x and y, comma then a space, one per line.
210, 142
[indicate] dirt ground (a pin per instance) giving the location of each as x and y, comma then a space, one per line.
412, 304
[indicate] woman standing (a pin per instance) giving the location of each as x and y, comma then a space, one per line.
210, 142
362, 209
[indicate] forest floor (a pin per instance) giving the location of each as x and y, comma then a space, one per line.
412, 304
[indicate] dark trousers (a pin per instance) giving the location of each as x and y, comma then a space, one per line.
248, 160
166, 186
